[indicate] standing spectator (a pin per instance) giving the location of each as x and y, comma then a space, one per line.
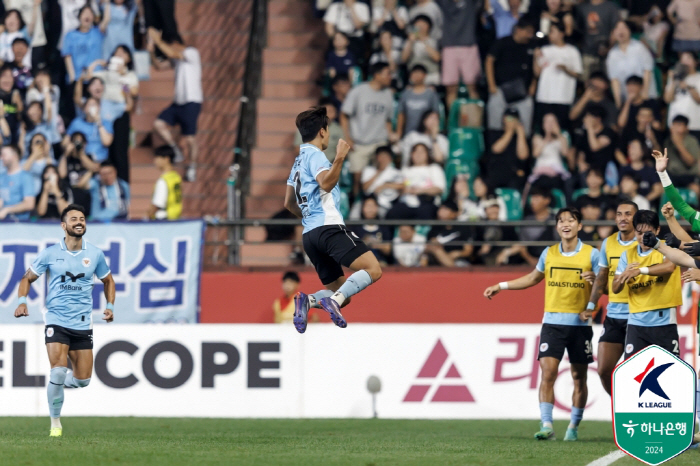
590, 211
430, 9
682, 92
14, 29
70, 15
12, 102
634, 101
77, 167
119, 18
16, 187
655, 32
160, 15
596, 19
385, 52
283, 308
460, 52
683, 155
597, 94
594, 190
629, 57
35, 123
99, 133
503, 19
649, 184
38, 158
441, 249
422, 49
21, 72
110, 195
629, 187
339, 59
166, 203
54, 196
382, 180
685, 14
428, 133
510, 78
184, 111
596, 148
393, 18
415, 101
556, 13
376, 237
366, 118
408, 246
558, 66
41, 86
350, 17
83, 45
506, 164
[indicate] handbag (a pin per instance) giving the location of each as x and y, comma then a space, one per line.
514, 91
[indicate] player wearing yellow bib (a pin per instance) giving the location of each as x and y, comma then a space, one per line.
167, 195
611, 344
569, 269
654, 286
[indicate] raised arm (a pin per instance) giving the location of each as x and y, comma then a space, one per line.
674, 196
329, 178
676, 228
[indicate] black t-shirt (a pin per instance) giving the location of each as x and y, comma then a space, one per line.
504, 170
11, 114
631, 133
610, 110
76, 169
647, 177
447, 236
642, 7
634, 109
374, 233
512, 60
588, 237
598, 159
603, 201
52, 211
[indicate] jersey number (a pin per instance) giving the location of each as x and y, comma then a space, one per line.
301, 200
177, 190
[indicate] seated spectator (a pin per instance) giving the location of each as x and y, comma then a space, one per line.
54, 196
21, 72
283, 308
590, 211
428, 133
110, 195
334, 129
649, 184
408, 246
596, 20
551, 152
656, 30
594, 191
683, 155
37, 93
461, 194
628, 113
596, 94
507, 162
339, 59
384, 52
415, 101
376, 237
382, 180
12, 102
487, 253
17, 191
350, 17
77, 167
166, 203
558, 66
424, 183
422, 49
556, 13
629, 188
686, 32
14, 29
629, 57
504, 19
340, 87
683, 92
430, 9
83, 45
644, 130
39, 158
441, 248
118, 25
392, 18
99, 134
460, 51
510, 77
596, 147
484, 196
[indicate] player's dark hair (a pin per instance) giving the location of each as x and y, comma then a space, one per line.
628, 201
635, 80
646, 217
77, 207
681, 119
291, 275
165, 151
311, 121
377, 68
570, 210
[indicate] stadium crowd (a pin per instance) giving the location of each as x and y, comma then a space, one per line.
68, 86
507, 109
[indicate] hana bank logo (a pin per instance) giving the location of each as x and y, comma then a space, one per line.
649, 381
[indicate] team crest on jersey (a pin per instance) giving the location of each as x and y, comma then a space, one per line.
629, 348
544, 347
86, 262
49, 332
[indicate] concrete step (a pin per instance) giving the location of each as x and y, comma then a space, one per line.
273, 158
293, 23
277, 56
265, 255
287, 40
291, 73
263, 207
290, 8
274, 124
269, 173
254, 234
275, 141
268, 188
290, 90
284, 107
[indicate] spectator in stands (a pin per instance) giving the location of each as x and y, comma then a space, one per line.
629, 187
340, 87
83, 45
596, 19
382, 180
415, 101
485, 195
408, 246
339, 59
393, 18
70, 15
656, 30
11, 100
591, 211
430, 9
683, 155
283, 308
441, 248
16, 187
118, 18
99, 133
558, 66
504, 19
376, 237
37, 92
556, 13
683, 92
460, 52
21, 72
93, 88
595, 183
596, 148
54, 196
649, 184
487, 253
424, 183
14, 29
507, 163
366, 118
77, 167
184, 111
166, 203
35, 123
422, 49
38, 158
110, 195
629, 57
684, 16
461, 195
510, 78
428, 133
552, 156
160, 15
5, 132
385, 52
645, 130
634, 101
351, 17
597, 94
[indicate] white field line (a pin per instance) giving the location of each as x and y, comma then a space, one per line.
610, 458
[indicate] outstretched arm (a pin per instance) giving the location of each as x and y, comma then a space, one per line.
676, 228
526, 281
674, 196
24, 284
675, 256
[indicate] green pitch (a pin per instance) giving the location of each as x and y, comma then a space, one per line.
193, 442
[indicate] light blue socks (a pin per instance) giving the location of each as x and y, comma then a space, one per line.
546, 413
576, 416
353, 285
318, 296
72, 382
54, 390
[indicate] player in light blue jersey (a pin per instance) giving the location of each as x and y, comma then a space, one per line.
71, 265
314, 196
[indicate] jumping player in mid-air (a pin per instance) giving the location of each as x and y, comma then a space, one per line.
71, 265
569, 268
314, 196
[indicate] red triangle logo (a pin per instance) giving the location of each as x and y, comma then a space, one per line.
450, 392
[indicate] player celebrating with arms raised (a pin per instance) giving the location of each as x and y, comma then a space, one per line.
71, 265
314, 196
570, 269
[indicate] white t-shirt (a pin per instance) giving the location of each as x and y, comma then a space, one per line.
114, 82
422, 177
69, 15
684, 104
414, 137
380, 12
339, 15
555, 86
160, 199
408, 254
389, 175
6, 53
188, 77
633, 62
551, 157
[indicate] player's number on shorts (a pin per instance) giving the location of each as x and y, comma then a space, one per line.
301, 200
589, 347
675, 346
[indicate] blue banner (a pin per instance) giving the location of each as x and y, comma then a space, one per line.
156, 267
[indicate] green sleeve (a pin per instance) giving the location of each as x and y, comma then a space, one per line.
681, 206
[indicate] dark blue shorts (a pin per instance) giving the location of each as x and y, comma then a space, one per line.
184, 115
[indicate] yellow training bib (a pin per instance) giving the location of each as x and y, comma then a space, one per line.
565, 290
613, 251
648, 293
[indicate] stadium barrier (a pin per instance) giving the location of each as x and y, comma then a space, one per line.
478, 371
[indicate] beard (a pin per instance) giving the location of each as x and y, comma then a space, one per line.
75, 234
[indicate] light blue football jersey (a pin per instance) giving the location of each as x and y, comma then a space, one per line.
318, 207
70, 275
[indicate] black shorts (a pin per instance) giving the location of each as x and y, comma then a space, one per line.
575, 339
185, 115
75, 339
614, 331
331, 246
638, 337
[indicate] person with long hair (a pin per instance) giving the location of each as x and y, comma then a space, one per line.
39, 158
54, 196
428, 133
